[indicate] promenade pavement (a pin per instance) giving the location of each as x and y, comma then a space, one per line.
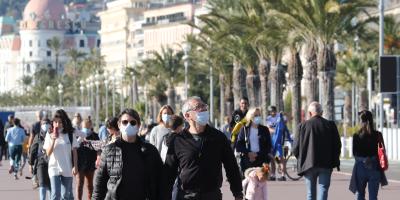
21, 189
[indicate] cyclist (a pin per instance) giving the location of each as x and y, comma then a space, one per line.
279, 134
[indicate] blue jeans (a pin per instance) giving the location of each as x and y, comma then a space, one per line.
367, 173
43, 192
61, 188
324, 181
15, 152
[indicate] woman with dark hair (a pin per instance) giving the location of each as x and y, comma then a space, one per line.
366, 168
39, 160
112, 128
157, 133
141, 163
60, 145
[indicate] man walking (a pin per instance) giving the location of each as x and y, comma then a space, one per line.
199, 152
317, 149
240, 113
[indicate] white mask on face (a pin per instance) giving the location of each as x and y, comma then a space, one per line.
129, 130
45, 127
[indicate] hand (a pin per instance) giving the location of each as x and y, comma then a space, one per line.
74, 171
252, 156
98, 161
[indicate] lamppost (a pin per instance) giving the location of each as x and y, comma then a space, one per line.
97, 83
134, 87
121, 96
82, 88
60, 91
48, 88
186, 48
113, 93
106, 81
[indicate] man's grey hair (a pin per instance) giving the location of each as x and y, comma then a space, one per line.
315, 108
187, 105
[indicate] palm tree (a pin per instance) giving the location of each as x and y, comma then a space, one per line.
392, 36
166, 66
322, 22
74, 56
55, 45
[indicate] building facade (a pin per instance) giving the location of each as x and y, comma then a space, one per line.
28, 48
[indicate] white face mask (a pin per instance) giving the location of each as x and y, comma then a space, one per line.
202, 118
166, 118
45, 127
129, 130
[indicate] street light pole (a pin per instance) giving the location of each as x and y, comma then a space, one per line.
106, 81
113, 94
186, 49
97, 83
60, 91
211, 95
381, 53
82, 88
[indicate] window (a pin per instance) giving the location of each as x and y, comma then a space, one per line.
30, 54
98, 43
48, 53
48, 43
28, 68
49, 65
30, 43
81, 43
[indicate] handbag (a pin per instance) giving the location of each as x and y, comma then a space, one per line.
383, 160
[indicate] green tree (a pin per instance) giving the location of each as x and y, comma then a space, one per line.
55, 45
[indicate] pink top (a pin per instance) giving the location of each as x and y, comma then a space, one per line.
254, 189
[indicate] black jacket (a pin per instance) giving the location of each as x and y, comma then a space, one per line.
109, 175
200, 169
237, 115
87, 155
264, 137
317, 145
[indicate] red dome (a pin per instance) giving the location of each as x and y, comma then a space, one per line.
44, 10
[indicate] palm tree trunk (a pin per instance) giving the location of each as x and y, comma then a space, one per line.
171, 96
327, 71
310, 77
263, 69
239, 83
221, 97
57, 63
295, 73
253, 87
274, 81
229, 96
347, 108
134, 91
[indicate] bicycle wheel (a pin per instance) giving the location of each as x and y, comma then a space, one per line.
291, 168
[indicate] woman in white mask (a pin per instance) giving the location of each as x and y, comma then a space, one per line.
129, 157
254, 141
157, 133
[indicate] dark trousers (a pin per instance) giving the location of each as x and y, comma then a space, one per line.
80, 177
192, 195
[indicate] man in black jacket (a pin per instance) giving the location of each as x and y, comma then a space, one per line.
129, 168
240, 113
199, 153
317, 149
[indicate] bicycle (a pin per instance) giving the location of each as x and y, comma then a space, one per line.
290, 165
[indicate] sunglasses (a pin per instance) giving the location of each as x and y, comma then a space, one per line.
125, 122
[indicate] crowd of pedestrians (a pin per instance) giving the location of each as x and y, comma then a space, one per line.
182, 157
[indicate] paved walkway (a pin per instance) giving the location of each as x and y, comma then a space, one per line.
22, 189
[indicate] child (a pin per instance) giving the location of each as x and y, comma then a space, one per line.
255, 183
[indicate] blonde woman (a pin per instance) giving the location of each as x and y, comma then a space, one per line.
254, 141
157, 133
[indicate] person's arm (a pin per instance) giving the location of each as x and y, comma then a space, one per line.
101, 178
51, 141
241, 142
7, 136
337, 145
296, 143
232, 170
31, 136
170, 170
153, 136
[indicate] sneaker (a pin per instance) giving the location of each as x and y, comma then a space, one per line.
282, 178
272, 178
